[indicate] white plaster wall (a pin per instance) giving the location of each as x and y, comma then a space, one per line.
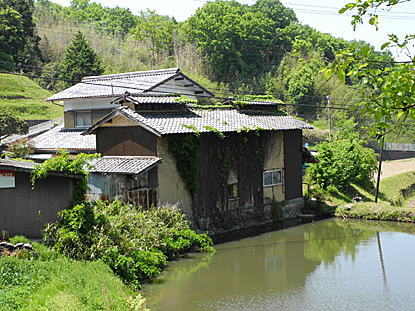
89, 103
172, 188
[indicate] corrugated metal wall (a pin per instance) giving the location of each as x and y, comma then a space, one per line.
125, 141
293, 167
20, 206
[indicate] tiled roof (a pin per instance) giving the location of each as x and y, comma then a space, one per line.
124, 165
148, 98
58, 137
118, 84
224, 120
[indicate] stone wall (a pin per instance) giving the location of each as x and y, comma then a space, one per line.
247, 217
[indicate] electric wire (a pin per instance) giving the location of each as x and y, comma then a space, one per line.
32, 75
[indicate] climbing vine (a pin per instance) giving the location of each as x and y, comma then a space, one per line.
66, 164
208, 162
184, 100
185, 149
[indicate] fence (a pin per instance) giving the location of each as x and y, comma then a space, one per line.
393, 146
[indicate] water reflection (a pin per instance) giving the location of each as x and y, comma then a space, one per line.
354, 265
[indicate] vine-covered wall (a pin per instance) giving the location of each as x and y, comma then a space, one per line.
208, 163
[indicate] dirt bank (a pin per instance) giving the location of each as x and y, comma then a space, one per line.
391, 168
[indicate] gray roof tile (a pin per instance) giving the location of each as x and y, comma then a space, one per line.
148, 98
224, 120
124, 165
58, 137
118, 84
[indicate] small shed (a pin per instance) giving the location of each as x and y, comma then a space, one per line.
25, 211
132, 179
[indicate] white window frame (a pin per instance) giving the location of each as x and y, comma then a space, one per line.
83, 112
274, 174
231, 191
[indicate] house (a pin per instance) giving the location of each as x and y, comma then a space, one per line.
226, 166
223, 166
87, 102
25, 211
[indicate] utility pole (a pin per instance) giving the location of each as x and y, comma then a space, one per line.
328, 104
380, 167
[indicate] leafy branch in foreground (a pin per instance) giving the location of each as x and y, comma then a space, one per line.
387, 86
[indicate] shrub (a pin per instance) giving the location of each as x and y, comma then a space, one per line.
134, 242
342, 162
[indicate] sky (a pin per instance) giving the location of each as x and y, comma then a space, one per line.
319, 14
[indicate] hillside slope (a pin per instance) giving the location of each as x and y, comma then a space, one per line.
26, 98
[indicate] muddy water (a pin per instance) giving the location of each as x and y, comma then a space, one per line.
326, 265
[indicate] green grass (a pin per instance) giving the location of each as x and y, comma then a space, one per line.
16, 86
389, 191
61, 284
26, 98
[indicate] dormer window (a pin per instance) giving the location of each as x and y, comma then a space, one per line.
83, 119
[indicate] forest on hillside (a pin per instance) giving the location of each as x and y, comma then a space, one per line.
232, 49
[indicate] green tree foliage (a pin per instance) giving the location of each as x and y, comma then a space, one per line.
11, 124
11, 32
301, 87
232, 37
112, 20
387, 87
343, 160
157, 29
17, 32
80, 60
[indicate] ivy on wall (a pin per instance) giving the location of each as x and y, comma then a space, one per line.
206, 162
185, 149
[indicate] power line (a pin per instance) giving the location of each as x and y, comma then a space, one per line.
166, 92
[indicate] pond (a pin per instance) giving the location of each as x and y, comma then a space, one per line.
325, 265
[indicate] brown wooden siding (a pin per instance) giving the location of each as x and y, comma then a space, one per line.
292, 159
125, 141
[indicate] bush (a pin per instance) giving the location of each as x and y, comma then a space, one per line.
134, 242
342, 162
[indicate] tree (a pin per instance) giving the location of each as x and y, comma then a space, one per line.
343, 160
17, 32
80, 60
11, 124
232, 37
12, 37
301, 87
157, 29
387, 86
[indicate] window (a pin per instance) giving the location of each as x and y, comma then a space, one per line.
272, 178
233, 192
83, 119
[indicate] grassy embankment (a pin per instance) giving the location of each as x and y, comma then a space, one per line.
94, 250
26, 98
394, 194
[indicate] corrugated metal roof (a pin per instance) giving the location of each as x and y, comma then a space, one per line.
223, 120
58, 137
118, 84
28, 167
124, 165
17, 164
